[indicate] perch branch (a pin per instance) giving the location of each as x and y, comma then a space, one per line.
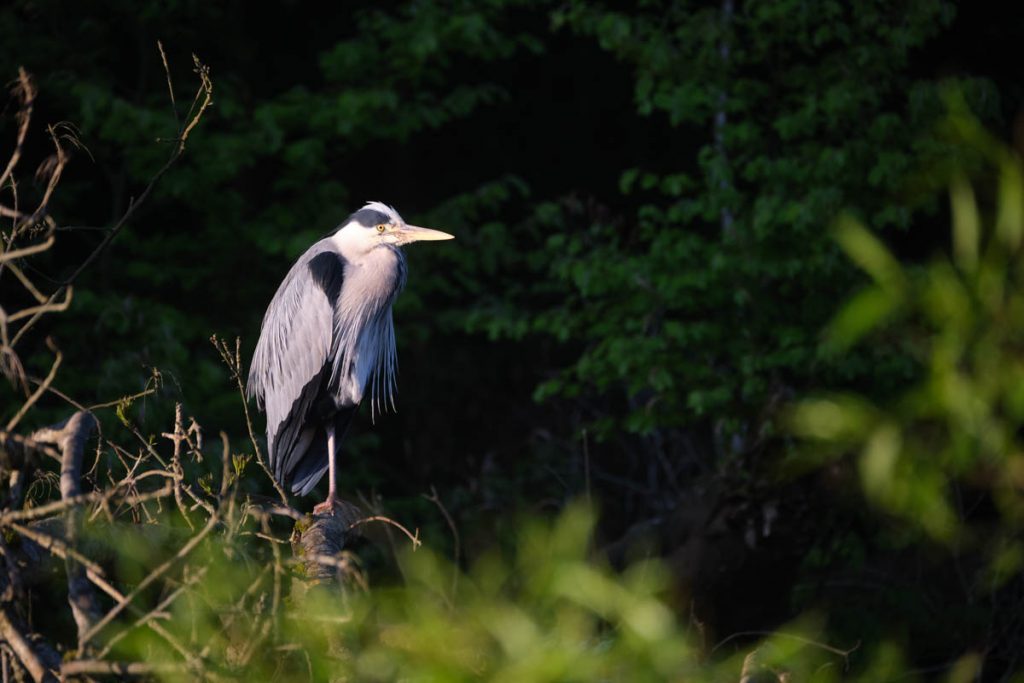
326, 536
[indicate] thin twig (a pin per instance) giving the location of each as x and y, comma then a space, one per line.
55, 545
144, 441
234, 363
54, 167
225, 472
147, 618
790, 636
131, 398
46, 307
94, 573
170, 86
275, 603
101, 667
415, 538
177, 437
436, 500
248, 593
59, 506
151, 577
27, 251
203, 99
27, 652
26, 283
279, 510
23, 444
40, 390
26, 92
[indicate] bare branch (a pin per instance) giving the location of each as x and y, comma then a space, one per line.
203, 99
39, 659
436, 500
94, 574
177, 437
148, 619
167, 72
789, 636
162, 569
55, 545
25, 91
234, 363
26, 283
15, 449
84, 605
413, 537
99, 667
59, 506
40, 390
52, 169
48, 307
26, 251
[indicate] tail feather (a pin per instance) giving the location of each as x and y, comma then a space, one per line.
310, 456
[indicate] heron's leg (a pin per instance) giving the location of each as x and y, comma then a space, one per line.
328, 505
332, 487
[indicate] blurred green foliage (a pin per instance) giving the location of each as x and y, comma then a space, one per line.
953, 435
549, 610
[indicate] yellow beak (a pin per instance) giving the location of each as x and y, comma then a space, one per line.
413, 233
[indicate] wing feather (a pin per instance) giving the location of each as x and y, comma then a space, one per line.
294, 354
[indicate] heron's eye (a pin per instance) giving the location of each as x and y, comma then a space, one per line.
381, 228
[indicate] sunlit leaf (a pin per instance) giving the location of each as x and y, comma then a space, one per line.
966, 223
879, 458
1010, 220
870, 254
865, 312
833, 419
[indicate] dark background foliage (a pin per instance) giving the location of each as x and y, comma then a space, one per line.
642, 195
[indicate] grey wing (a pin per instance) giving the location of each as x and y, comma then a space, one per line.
293, 358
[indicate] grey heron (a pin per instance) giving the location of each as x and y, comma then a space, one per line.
328, 336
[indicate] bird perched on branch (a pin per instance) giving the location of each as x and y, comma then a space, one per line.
327, 337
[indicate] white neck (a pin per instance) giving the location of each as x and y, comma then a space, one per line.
354, 241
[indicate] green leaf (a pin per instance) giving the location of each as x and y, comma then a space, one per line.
869, 253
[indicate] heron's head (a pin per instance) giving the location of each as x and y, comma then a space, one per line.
378, 224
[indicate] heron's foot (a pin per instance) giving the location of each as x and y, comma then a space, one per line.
328, 507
